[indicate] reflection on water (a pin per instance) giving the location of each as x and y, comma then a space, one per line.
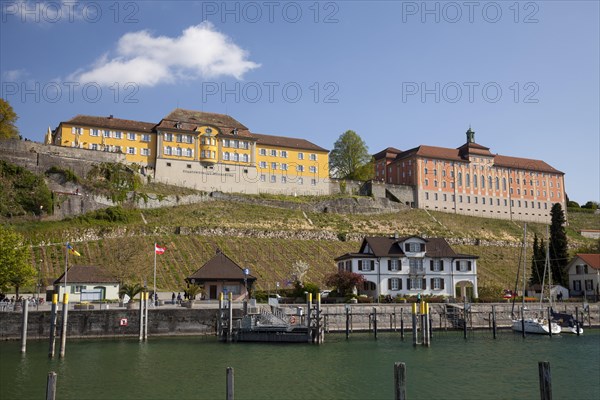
361, 368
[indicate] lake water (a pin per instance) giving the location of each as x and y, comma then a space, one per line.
360, 368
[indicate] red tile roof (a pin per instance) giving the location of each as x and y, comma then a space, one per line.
189, 120
111, 123
593, 260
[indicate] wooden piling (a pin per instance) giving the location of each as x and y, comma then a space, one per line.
402, 323
141, 333
220, 317
24, 326
494, 326
549, 321
230, 392
65, 315
577, 320
375, 322
319, 327
399, 381
52, 334
465, 318
230, 318
308, 316
347, 321
51, 386
545, 380
146, 304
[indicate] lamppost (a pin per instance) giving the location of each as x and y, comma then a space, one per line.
246, 273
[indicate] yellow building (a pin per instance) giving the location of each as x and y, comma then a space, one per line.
206, 151
135, 139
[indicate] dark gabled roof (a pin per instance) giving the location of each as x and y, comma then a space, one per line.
383, 246
349, 256
86, 274
111, 123
220, 267
287, 142
189, 120
389, 152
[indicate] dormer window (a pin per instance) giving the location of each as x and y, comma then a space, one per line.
414, 247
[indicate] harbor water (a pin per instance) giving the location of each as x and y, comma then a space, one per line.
359, 368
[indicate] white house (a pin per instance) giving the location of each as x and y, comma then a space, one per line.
584, 275
411, 265
87, 283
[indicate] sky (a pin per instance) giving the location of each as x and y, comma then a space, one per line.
523, 74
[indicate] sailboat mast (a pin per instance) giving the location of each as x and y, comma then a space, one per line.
524, 262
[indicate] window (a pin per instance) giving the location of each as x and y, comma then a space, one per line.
94, 146
131, 150
130, 136
168, 150
236, 157
312, 169
77, 131
284, 179
263, 178
145, 152
284, 167
273, 179
245, 157
300, 181
263, 164
366, 265
77, 289
93, 132
416, 265
168, 137
394, 284
263, 152
437, 283
416, 283
273, 153
300, 168
106, 134
426, 195
426, 171
300, 156
179, 138
188, 166
468, 180
145, 137
235, 144
283, 153
589, 284
426, 182
474, 180
504, 184
273, 165
226, 156
313, 157
188, 152
393, 264
313, 182
581, 269
436, 265
577, 286
460, 179
178, 151
463, 265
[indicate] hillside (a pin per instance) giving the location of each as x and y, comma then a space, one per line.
268, 240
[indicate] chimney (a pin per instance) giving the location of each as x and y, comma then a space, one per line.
110, 116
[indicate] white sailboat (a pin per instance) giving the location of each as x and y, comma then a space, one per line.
537, 324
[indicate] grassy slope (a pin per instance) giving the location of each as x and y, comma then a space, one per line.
269, 259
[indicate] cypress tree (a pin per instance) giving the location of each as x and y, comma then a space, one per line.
559, 256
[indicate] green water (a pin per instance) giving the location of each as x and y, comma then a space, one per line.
361, 368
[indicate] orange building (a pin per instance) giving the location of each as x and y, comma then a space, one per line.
471, 180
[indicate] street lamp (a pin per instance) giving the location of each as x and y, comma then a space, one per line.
246, 273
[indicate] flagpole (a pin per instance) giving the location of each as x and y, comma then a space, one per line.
154, 294
66, 265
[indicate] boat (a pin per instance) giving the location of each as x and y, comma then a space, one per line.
537, 324
567, 322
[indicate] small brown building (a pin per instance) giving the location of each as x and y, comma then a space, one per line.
222, 274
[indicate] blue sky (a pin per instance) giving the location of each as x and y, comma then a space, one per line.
524, 75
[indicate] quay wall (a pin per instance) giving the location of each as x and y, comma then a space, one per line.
177, 321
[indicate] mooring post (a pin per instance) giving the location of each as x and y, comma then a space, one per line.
63, 337
141, 333
402, 323
52, 334
375, 322
426, 334
146, 304
549, 321
545, 380
220, 317
51, 386
319, 322
24, 326
347, 320
577, 320
523, 321
494, 321
308, 316
230, 318
230, 383
414, 324
430, 324
399, 381
465, 318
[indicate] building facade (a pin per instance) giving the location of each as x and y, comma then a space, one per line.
584, 276
411, 265
205, 151
471, 180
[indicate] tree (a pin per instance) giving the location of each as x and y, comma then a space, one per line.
131, 290
349, 154
559, 256
15, 269
8, 118
538, 261
592, 205
344, 282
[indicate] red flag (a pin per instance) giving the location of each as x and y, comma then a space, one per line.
158, 249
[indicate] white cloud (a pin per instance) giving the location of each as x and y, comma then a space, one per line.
200, 52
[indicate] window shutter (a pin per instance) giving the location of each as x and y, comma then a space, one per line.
372, 265
390, 284
469, 266
458, 265
441, 265
406, 247
422, 246
424, 284
408, 284
73, 130
442, 284
431, 265
399, 284
431, 282
360, 265
389, 265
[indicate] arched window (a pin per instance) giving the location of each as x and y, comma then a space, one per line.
474, 180
460, 179
483, 182
504, 184
497, 183
468, 179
